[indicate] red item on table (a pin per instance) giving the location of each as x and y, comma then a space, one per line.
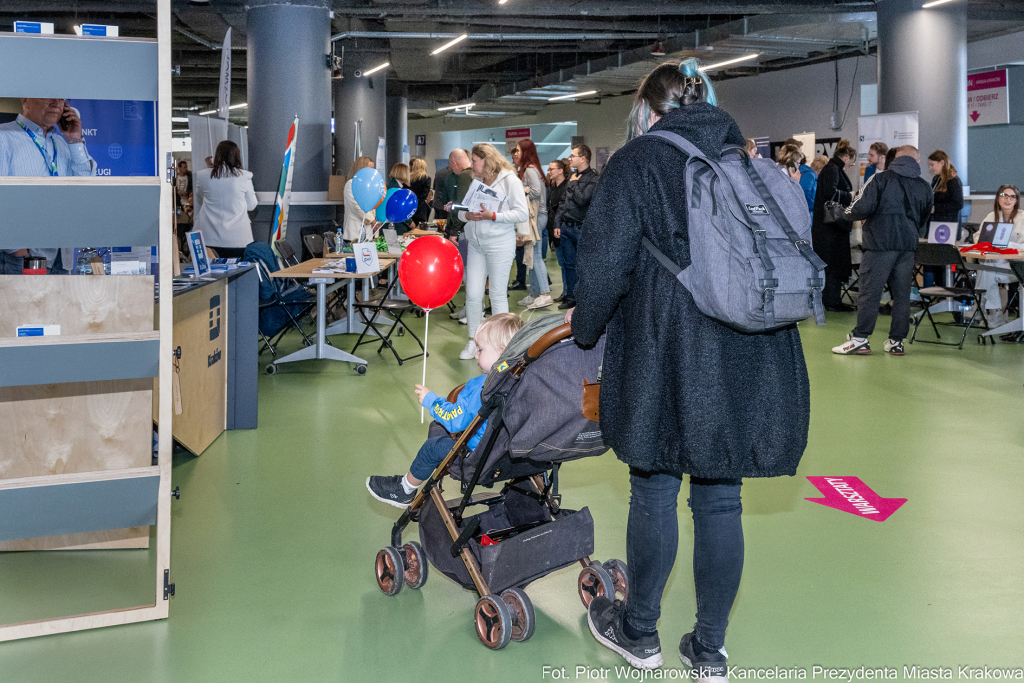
987, 248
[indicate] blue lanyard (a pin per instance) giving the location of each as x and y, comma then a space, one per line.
39, 145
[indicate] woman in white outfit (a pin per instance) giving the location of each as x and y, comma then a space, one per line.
356, 218
1006, 210
226, 198
528, 163
491, 237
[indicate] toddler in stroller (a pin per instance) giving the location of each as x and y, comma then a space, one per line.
539, 403
454, 416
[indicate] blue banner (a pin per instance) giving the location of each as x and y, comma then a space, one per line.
121, 135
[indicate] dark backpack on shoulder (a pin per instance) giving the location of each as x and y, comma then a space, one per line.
752, 266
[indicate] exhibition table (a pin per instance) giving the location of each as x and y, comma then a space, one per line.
321, 351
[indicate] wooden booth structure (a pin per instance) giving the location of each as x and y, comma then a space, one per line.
76, 410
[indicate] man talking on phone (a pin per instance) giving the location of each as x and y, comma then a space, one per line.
45, 140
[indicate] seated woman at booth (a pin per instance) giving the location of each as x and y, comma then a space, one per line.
1006, 210
227, 197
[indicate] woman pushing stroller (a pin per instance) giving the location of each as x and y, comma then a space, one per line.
682, 394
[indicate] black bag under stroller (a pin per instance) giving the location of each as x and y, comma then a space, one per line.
540, 404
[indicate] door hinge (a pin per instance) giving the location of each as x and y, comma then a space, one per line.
168, 586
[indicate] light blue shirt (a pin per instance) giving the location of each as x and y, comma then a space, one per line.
19, 156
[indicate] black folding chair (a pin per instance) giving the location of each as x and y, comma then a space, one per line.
294, 310
945, 256
314, 244
370, 309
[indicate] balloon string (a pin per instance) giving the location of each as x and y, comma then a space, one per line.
426, 339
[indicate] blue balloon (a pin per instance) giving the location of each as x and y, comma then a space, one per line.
382, 215
401, 206
367, 188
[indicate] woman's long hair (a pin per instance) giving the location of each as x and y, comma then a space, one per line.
358, 165
668, 87
948, 171
417, 169
789, 154
528, 157
998, 210
494, 161
227, 160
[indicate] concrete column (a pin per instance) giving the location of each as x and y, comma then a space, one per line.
358, 99
397, 129
287, 76
922, 67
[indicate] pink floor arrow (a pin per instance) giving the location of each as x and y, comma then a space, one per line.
850, 494
975, 115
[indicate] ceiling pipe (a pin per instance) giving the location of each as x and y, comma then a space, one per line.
496, 36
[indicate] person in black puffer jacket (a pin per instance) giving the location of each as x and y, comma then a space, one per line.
893, 206
832, 241
682, 394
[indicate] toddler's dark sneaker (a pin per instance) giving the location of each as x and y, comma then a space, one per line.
389, 490
709, 666
605, 619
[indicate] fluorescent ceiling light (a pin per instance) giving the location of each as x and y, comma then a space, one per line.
572, 95
179, 119
450, 43
934, 3
717, 65
204, 113
502, 2
457, 106
377, 68
239, 106
78, 30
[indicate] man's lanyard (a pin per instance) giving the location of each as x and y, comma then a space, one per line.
39, 145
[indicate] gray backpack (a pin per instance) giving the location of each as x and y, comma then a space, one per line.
751, 262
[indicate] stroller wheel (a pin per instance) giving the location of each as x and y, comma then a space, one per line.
271, 369
524, 621
620, 580
416, 566
493, 620
595, 582
389, 571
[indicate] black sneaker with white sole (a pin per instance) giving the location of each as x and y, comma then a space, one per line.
389, 490
709, 666
605, 619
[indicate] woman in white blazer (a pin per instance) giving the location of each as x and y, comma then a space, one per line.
227, 197
356, 218
1006, 210
491, 238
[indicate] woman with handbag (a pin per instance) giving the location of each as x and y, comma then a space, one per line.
830, 230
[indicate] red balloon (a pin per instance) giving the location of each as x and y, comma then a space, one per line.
430, 271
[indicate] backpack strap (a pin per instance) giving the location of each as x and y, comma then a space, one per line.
668, 263
679, 141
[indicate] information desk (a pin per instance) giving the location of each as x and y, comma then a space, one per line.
216, 328
979, 261
321, 351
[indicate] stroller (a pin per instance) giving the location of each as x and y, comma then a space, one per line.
521, 533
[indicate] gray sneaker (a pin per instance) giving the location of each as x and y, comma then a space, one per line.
605, 619
708, 667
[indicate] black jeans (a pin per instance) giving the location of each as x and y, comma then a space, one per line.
652, 536
520, 267
877, 268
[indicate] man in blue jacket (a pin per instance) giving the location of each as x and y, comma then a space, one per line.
492, 337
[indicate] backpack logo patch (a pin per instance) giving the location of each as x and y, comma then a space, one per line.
757, 209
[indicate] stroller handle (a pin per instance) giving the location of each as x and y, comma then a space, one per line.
547, 341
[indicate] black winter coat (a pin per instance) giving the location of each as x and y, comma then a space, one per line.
895, 206
681, 393
832, 243
421, 188
577, 198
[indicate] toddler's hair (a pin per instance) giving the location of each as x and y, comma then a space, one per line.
499, 329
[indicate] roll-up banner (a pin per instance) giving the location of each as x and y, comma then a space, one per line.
895, 130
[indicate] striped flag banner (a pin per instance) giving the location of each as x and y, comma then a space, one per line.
284, 189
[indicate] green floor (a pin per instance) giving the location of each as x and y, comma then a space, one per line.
274, 538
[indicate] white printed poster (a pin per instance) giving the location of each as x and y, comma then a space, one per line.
987, 102
379, 161
895, 130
